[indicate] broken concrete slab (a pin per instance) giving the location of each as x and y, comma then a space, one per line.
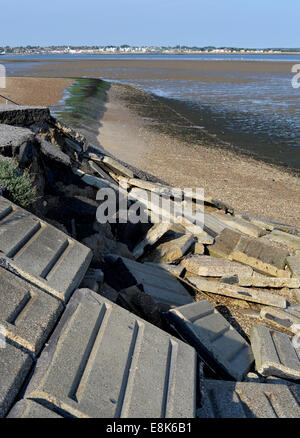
297, 295
14, 365
218, 344
18, 115
263, 257
172, 250
287, 318
157, 282
224, 244
173, 269
239, 225
111, 164
268, 224
207, 266
201, 235
249, 400
152, 236
289, 240
264, 281
52, 152
241, 293
275, 354
12, 138
31, 409
110, 363
293, 263
198, 248
41, 253
27, 314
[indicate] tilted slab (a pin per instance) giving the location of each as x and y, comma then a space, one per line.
239, 224
249, 400
274, 352
272, 282
41, 253
23, 115
288, 318
171, 250
152, 236
219, 345
14, 137
224, 243
14, 367
158, 283
241, 293
110, 363
293, 263
262, 256
286, 239
27, 314
214, 267
31, 409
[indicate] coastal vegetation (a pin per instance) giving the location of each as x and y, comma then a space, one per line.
17, 183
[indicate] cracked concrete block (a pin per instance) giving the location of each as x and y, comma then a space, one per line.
275, 354
249, 400
241, 293
288, 318
224, 244
293, 263
41, 253
12, 137
152, 236
171, 250
207, 266
27, 313
239, 225
110, 363
18, 115
14, 367
158, 283
218, 344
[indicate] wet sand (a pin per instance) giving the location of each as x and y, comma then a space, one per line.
34, 91
150, 69
250, 186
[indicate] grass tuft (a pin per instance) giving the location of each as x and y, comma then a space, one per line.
18, 183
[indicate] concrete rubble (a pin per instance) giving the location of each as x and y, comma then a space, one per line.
93, 315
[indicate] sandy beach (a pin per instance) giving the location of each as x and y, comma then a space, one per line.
34, 91
250, 186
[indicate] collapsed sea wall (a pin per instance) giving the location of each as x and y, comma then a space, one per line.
114, 347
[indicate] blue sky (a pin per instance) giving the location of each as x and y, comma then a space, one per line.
247, 23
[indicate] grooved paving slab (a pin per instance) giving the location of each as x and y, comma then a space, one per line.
41, 253
14, 367
217, 342
31, 409
249, 400
27, 314
274, 353
158, 283
110, 363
